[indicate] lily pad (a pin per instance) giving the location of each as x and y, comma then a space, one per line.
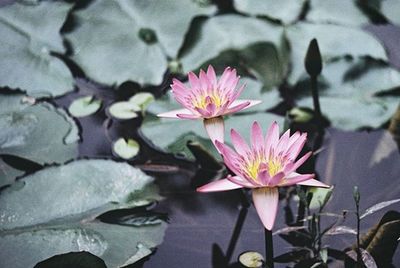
286, 11
142, 100
84, 106
171, 135
130, 40
228, 32
29, 33
353, 85
334, 41
123, 110
39, 132
126, 149
344, 12
74, 195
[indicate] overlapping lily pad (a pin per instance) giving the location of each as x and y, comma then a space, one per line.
286, 11
38, 132
349, 89
130, 40
29, 33
74, 195
334, 41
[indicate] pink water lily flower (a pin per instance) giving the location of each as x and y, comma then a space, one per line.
209, 98
264, 166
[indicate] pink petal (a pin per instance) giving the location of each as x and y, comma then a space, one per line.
313, 182
292, 167
239, 143
257, 139
296, 178
178, 85
215, 129
174, 113
193, 80
296, 147
219, 185
276, 179
272, 137
203, 112
235, 94
283, 142
231, 158
204, 83
241, 181
263, 177
211, 75
266, 203
238, 105
224, 77
188, 116
211, 108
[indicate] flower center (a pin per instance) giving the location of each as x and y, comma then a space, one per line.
204, 100
273, 166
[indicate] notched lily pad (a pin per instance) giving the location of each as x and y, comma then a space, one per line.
126, 148
84, 106
124, 110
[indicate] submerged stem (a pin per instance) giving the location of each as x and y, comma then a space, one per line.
269, 249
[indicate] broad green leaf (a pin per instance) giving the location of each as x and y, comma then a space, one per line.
84, 106
29, 33
123, 110
334, 41
251, 259
287, 11
171, 135
352, 85
125, 40
73, 195
126, 149
8, 173
344, 12
228, 32
39, 132
73, 259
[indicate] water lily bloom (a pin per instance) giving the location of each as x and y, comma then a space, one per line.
269, 163
209, 98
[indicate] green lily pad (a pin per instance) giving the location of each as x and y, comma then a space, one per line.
286, 11
39, 132
123, 110
344, 12
228, 32
84, 106
172, 135
142, 100
130, 40
29, 33
126, 149
74, 195
352, 85
334, 41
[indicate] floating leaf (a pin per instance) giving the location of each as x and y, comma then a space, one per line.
123, 110
142, 100
378, 207
29, 33
343, 12
78, 193
172, 135
286, 11
334, 41
320, 196
216, 35
39, 132
353, 85
130, 40
126, 149
251, 259
84, 106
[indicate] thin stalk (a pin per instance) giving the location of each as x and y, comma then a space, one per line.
314, 92
269, 249
359, 259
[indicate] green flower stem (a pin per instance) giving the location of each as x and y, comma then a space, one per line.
269, 249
